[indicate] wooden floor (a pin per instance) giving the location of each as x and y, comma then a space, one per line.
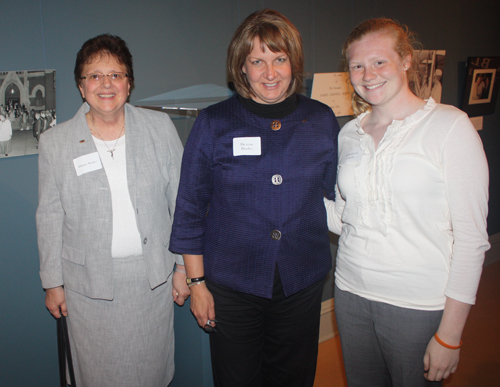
480, 354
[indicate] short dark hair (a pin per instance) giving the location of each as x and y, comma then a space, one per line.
274, 31
105, 44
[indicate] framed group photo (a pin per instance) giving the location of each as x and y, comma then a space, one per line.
27, 109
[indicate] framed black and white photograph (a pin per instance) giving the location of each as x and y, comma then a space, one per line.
27, 109
481, 86
430, 74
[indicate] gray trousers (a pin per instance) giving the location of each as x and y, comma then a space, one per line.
383, 345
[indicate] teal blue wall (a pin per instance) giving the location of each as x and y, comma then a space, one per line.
176, 44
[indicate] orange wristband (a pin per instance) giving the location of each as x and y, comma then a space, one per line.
447, 345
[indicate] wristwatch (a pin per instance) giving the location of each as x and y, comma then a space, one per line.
193, 281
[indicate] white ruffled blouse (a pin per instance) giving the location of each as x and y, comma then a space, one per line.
411, 213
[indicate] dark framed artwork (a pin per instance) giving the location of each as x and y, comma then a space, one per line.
481, 86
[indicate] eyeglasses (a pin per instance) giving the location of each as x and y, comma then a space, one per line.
98, 77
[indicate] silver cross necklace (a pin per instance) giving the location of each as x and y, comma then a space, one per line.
99, 134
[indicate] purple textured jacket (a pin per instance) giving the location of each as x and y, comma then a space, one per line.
248, 214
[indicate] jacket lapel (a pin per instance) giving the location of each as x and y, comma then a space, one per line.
84, 144
133, 145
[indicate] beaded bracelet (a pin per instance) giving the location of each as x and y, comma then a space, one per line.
447, 345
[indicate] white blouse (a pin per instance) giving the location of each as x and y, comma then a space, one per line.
412, 214
126, 239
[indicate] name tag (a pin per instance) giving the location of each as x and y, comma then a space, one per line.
246, 146
353, 156
87, 163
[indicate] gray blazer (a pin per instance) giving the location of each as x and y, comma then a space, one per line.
74, 216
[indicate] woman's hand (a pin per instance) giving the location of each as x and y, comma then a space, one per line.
439, 362
55, 301
202, 301
202, 305
334, 210
180, 290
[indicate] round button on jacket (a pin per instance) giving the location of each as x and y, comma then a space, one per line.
276, 235
277, 179
276, 125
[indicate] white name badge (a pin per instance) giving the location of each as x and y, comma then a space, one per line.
246, 146
87, 163
353, 156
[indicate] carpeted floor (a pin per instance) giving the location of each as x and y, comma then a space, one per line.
480, 354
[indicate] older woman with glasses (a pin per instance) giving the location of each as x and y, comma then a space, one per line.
107, 185
250, 219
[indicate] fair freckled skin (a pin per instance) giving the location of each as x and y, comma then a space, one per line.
378, 75
269, 74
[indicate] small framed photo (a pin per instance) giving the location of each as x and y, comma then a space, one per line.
27, 109
482, 82
481, 86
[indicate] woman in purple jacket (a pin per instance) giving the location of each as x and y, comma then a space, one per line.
249, 217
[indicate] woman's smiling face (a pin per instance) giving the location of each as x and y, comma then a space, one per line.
105, 97
377, 72
269, 74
